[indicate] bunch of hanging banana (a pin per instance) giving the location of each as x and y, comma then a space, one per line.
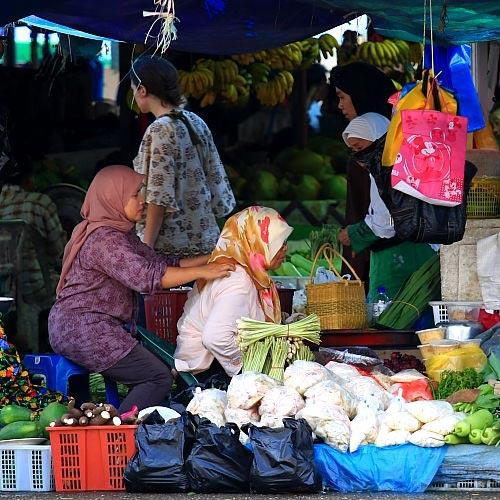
196, 82
225, 72
244, 59
311, 52
387, 53
327, 43
288, 57
275, 91
260, 72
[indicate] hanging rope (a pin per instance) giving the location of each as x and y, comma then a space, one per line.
165, 14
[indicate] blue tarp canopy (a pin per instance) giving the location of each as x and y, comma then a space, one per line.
236, 26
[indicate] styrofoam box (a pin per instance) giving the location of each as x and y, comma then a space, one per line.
26, 468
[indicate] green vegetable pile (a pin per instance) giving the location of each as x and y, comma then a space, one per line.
453, 381
268, 347
478, 428
486, 400
413, 297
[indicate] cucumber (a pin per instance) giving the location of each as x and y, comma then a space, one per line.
289, 269
302, 263
51, 413
20, 430
14, 413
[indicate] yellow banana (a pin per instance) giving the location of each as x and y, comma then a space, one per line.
330, 40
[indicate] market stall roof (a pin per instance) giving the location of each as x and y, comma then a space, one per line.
229, 26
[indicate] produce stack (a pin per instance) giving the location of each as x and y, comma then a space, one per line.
268, 348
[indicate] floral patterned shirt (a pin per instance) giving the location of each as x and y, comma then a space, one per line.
189, 181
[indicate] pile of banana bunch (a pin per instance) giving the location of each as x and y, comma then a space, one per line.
267, 73
390, 53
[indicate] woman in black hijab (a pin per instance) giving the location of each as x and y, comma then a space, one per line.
360, 88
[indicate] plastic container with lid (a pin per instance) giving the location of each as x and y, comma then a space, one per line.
426, 336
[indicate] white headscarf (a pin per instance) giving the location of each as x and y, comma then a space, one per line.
370, 126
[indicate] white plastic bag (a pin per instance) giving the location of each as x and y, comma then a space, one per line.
281, 401
444, 425
272, 421
427, 411
364, 428
343, 370
407, 376
304, 374
391, 438
241, 417
316, 413
329, 392
335, 433
366, 389
426, 439
401, 421
488, 257
247, 389
210, 404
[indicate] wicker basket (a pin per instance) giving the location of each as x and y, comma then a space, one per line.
483, 200
339, 305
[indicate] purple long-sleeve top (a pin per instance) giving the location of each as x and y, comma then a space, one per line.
86, 324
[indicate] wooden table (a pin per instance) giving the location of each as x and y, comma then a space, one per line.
376, 339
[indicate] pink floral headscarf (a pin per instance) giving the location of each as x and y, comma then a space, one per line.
252, 238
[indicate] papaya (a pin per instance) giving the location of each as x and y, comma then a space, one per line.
14, 413
51, 413
20, 430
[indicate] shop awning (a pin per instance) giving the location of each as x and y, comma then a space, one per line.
229, 26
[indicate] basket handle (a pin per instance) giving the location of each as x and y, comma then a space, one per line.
327, 251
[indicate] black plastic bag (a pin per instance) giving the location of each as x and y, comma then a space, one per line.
162, 447
414, 219
218, 462
283, 458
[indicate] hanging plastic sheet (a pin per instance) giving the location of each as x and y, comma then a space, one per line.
405, 468
453, 66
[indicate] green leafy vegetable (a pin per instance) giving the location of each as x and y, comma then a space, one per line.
453, 381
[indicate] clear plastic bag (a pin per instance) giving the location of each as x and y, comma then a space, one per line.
281, 401
314, 414
210, 403
304, 374
364, 428
464, 356
329, 392
247, 389
335, 433
427, 411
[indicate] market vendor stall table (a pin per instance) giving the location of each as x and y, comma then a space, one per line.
379, 339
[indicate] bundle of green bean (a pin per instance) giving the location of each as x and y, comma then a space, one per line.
251, 330
268, 347
411, 300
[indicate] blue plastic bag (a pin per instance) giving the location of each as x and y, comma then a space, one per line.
453, 63
405, 468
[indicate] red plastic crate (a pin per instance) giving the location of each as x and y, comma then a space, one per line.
91, 458
164, 309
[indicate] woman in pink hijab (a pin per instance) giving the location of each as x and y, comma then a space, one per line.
104, 264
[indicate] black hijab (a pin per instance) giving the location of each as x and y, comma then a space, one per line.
368, 87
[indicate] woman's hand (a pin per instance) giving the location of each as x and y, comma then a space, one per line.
344, 237
216, 270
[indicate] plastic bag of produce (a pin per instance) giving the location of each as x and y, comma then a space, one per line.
391, 438
364, 428
401, 421
162, 449
241, 417
314, 414
407, 376
426, 439
218, 462
417, 390
343, 370
273, 421
281, 401
283, 459
369, 391
465, 356
329, 392
210, 404
444, 425
304, 374
247, 389
427, 411
335, 433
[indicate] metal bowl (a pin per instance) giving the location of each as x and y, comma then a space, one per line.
463, 331
5, 304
